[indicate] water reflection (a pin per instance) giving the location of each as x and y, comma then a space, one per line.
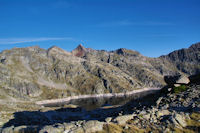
93, 103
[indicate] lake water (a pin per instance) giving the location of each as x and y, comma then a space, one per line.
104, 102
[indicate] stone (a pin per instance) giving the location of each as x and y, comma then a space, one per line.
68, 126
8, 129
108, 119
153, 118
180, 119
176, 79
123, 119
147, 116
93, 126
77, 130
26, 129
20, 129
158, 101
169, 89
142, 112
167, 130
183, 80
162, 113
126, 127
52, 129
177, 85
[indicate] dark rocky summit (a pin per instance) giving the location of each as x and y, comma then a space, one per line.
186, 60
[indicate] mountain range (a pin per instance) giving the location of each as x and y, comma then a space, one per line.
33, 73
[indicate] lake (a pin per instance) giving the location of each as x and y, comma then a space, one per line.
92, 102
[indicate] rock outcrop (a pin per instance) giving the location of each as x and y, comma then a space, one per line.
176, 80
178, 112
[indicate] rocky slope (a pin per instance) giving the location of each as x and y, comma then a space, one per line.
161, 112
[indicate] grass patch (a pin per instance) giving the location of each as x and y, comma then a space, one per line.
180, 89
195, 116
140, 115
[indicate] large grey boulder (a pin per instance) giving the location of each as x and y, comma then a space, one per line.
176, 79
178, 120
52, 129
123, 119
93, 126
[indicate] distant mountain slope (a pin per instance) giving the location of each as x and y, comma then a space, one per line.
33, 73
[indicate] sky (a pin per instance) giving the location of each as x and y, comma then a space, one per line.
152, 27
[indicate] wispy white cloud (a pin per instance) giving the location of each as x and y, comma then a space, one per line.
26, 40
132, 23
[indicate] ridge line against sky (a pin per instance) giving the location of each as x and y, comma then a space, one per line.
152, 27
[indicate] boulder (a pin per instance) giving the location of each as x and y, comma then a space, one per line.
158, 101
178, 120
108, 119
176, 80
93, 126
147, 116
162, 113
123, 119
77, 130
52, 129
7, 129
69, 126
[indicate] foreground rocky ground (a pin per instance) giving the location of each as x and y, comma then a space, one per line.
177, 111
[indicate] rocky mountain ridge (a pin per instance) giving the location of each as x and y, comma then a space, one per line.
33, 72
186, 60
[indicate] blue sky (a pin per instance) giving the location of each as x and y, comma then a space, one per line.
152, 27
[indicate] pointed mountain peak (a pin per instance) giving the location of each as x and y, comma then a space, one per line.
79, 51
80, 47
